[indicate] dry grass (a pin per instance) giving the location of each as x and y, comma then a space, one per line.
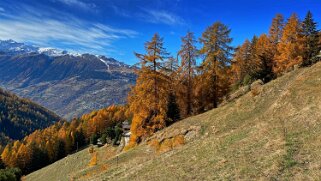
274, 135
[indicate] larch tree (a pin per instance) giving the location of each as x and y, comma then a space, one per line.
253, 64
276, 29
217, 52
6, 154
252, 61
240, 62
148, 98
290, 49
310, 40
188, 54
264, 58
275, 35
171, 70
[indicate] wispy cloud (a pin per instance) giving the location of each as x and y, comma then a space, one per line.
78, 3
161, 17
66, 33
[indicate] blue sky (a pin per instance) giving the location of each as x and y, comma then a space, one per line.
117, 28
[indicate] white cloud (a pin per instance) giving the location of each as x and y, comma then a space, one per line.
70, 32
161, 16
78, 3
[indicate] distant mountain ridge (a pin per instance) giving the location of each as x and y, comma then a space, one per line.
20, 117
69, 84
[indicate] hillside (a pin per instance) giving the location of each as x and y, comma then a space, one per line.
19, 117
69, 84
271, 133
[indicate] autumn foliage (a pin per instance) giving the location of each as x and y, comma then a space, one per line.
43, 147
289, 43
166, 91
169, 88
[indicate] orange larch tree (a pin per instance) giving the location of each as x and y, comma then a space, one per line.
290, 49
216, 51
188, 54
148, 98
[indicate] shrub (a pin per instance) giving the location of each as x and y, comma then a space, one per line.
93, 139
178, 140
93, 160
91, 149
118, 133
12, 174
154, 144
103, 138
247, 80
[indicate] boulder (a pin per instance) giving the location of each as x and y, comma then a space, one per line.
257, 87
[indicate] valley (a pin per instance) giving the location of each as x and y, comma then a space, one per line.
70, 85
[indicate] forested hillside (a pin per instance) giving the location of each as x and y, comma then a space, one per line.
70, 85
270, 133
171, 88
43, 147
20, 117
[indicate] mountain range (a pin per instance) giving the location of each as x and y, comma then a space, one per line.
68, 84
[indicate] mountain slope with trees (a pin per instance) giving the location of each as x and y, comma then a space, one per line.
169, 89
45, 146
71, 85
20, 117
270, 134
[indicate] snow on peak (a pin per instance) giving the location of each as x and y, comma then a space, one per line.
52, 52
106, 63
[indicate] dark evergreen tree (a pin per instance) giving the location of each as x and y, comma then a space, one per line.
311, 40
173, 112
93, 139
10, 174
2, 166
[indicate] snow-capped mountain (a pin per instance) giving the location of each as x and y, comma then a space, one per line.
52, 52
67, 83
12, 47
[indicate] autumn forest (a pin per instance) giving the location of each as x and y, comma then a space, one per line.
169, 88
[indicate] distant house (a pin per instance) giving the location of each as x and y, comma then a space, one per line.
100, 142
126, 132
319, 56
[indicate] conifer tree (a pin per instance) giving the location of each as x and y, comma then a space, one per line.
240, 63
217, 52
2, 165
253, 64
276, 29
188, 54
148, 98
290, 48
264, 58
170, 66
275, 35
174, 85
310, 40
173, 111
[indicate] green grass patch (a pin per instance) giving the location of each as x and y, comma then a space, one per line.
233, 139
292, 146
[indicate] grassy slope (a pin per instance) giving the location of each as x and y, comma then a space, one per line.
274, 135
